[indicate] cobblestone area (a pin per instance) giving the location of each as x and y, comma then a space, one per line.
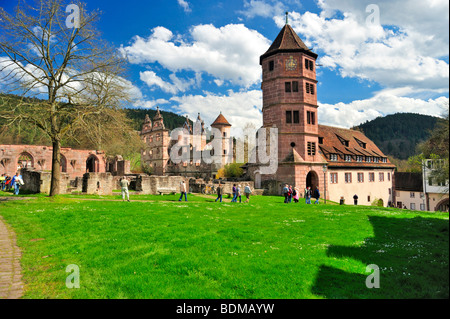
10, 271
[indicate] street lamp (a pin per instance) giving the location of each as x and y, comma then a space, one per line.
325, 183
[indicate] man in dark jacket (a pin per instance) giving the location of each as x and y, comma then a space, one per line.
219, 193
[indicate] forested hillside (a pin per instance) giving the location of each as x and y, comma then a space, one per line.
21, 133
397, 135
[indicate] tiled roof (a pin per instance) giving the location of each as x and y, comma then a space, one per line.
287, 41
334, 139
221, 120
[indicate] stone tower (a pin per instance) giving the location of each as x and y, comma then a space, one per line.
222, 124
156, 138
289, 88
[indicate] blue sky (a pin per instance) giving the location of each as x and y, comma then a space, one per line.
190, 56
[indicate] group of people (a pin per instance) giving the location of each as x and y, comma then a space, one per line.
291, 193
237, 193
8, 183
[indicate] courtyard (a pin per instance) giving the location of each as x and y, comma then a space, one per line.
156, 247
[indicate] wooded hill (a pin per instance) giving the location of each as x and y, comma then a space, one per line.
399, 134
25, 134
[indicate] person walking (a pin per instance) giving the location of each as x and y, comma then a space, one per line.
355, 199
234, 193
286, 193
2, 182
183, 191
295, 194
308, 195
316, 195
290, 194
124, 183
238, 194
219, 193
8, 183
16, 182
247, 192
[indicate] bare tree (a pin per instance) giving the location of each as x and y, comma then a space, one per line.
75, 74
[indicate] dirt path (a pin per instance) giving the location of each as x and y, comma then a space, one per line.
11, 286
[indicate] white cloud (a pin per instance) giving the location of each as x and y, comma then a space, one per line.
405, 56
384, 103
185, 5
150, 104
177, 85
230, 53
262, 8
238, 108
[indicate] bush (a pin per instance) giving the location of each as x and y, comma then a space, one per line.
233, 170
378, 202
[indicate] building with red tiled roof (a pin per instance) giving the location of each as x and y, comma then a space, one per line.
338, 162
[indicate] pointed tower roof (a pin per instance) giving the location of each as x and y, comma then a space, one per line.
287, 41
187, 125
221, 120
147, 119
158, 114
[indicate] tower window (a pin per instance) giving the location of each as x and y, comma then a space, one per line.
296, 117
288, 116
287, 86
271, 65
309, 65
311, 117
295, 86
311, 148
224, 134
310, 88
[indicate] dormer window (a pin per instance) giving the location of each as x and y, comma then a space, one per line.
343, 141
320, 140
359, 158
348, 158
368, 159
333, 157
361, 143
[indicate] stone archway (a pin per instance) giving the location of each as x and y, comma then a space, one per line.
63, 164
443, 205
92, 164
312, 180
25, 160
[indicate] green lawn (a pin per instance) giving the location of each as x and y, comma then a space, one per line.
202, 249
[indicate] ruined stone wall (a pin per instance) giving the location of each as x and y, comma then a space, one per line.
73, 162
98, 183
40, 182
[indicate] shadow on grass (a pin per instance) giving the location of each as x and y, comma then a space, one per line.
411, 253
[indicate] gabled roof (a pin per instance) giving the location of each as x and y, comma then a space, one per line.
332, 143
288, 41
221, 120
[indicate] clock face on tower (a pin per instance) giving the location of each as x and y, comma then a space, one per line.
291, 64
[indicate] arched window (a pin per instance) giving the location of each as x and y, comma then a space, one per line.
25, 160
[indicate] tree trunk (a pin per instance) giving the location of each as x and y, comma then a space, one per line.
56, 168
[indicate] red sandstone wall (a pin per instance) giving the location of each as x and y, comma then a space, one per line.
73, 161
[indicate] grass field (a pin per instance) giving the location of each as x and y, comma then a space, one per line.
162, 248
